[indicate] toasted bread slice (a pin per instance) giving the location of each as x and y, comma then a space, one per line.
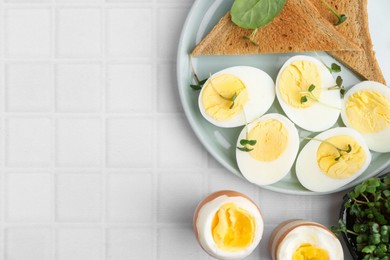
298, 28
355, 28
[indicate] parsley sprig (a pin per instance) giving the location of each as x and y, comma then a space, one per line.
368, 219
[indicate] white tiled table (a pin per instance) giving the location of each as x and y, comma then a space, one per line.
97, 160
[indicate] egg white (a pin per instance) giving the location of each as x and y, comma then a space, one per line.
308, 171
318, 117
379, 141
261, 93
310, 234
205, 219
266, 173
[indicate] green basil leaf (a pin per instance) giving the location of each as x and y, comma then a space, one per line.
253, 14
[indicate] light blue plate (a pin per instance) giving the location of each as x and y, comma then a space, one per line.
221, 142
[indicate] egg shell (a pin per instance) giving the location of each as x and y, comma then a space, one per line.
317, 117
261, 93
379, 141
212, 197
284, 228
266, 173
309, 173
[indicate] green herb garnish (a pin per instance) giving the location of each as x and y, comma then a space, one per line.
339, 86
251, 37
340, 17
341, 151
306, 95
368, 219
199, 83
253, 14
247, 144
334, 67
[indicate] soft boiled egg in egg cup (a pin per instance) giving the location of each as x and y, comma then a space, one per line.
366, 108
274, 152
236, 95
332, 159
228, 225
300, 239
307, 94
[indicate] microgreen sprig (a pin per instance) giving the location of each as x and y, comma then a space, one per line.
231, 99
339, 150
247, 144
251, 37
339, 86
340, 17
199, 83
306, 95
334, 67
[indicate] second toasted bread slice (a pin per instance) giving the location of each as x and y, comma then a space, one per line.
298, 28
355, 28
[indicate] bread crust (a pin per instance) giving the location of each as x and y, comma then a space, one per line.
298, 28
356, 29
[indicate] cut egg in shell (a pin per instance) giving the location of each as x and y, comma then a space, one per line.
366, 108
301, 239
307, 93
228, 225
275, 144
236, 95
332, 159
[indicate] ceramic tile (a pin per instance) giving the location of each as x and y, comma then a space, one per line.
129, 146
79, 244
28, 32
129, 32
28, 243
129, 197
129, 243
79, 197
178, 243
79, 32
28, 197
176, 145
28, 87
129, 88
78, 142
167, 92
170, 22
179, 194
78, 87
28, 142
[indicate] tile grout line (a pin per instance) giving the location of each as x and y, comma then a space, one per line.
155, 120
103, 133
3, 131
53, 46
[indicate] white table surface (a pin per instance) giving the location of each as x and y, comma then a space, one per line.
97, 160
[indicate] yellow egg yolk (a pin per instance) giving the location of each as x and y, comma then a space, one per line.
295, 81
340, 164
272, 139
368, 111
224, 96
310, 252
233, 228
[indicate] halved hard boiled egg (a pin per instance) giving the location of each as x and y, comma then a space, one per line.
332, 159
300, 239
366, 108
273, 154
305, 91
236, 95
228, 225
